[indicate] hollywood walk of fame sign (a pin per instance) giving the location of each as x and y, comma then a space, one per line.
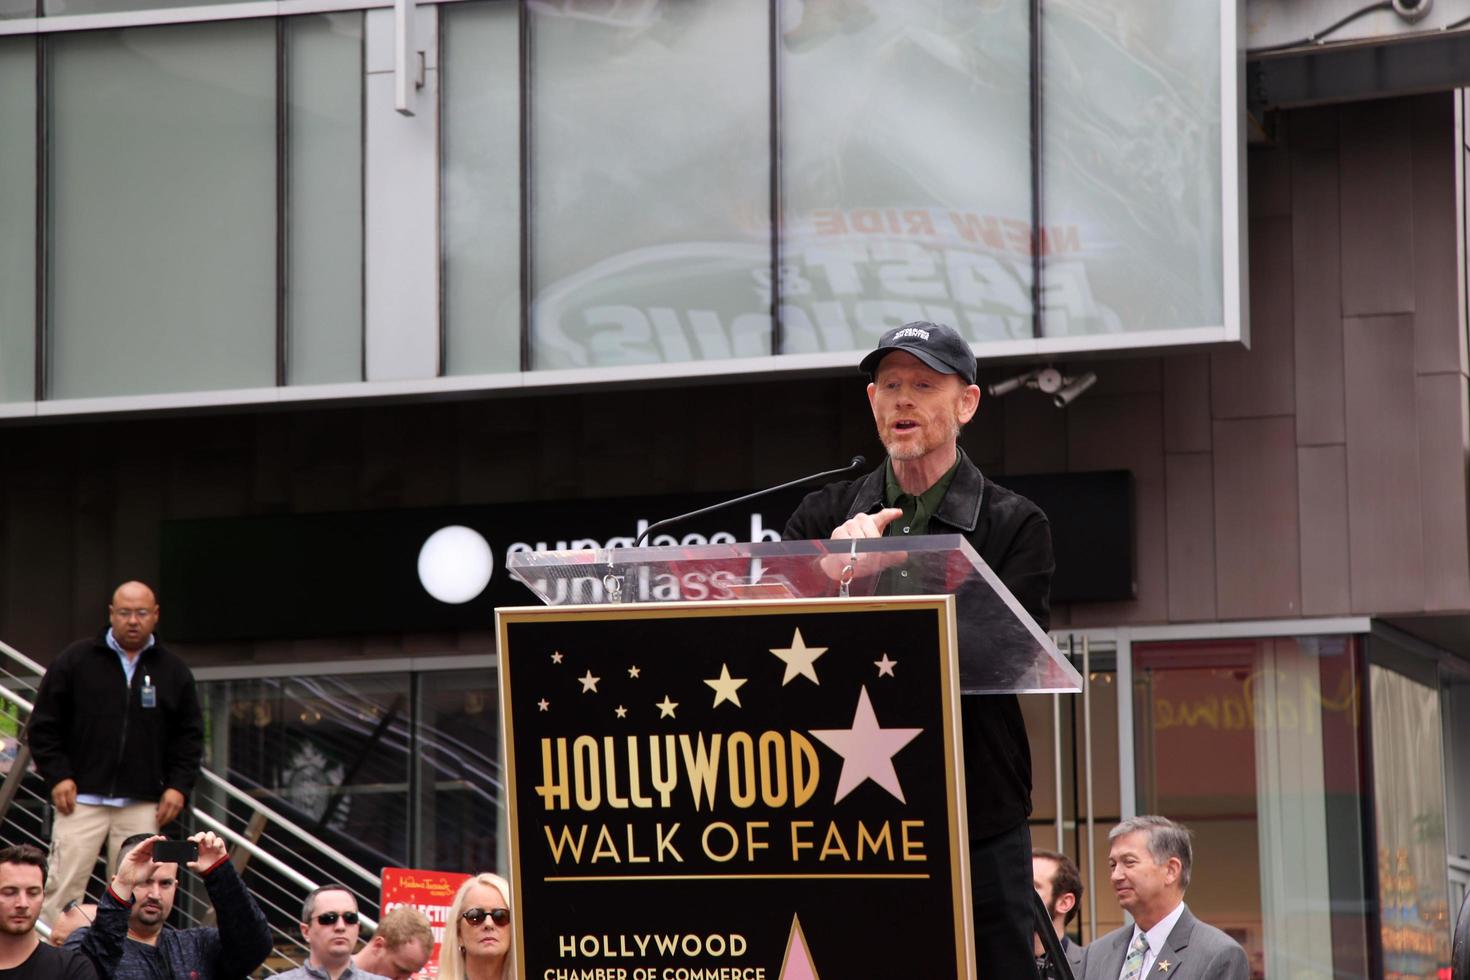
767, 790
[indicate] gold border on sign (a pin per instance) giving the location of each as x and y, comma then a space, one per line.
947, 642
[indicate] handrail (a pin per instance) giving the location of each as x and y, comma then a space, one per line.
276, 818
270, 861
21, 658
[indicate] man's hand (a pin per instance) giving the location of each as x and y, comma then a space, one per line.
64, 795
135, 866
211, 851
835, 566
170, 805
868, 525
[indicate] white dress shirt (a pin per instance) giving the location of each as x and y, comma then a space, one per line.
1158, 937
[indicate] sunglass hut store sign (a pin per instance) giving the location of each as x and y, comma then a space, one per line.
710, 791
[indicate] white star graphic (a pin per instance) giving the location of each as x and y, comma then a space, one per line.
799, 659
885, 666
725, 687
867, 751
666, 707
588, 682
556, 657
620, 711
543, 704
633, 671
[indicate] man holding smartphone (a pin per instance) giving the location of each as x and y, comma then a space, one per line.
130, 939
117, 735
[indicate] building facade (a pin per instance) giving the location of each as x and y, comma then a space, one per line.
244, 298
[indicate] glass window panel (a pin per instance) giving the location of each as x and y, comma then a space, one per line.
1276, 814
52, 8
906, 171
162, 209
463, 807
17, 219
324, 198
1130, 155
1408, 780
332, 752
10, 9
481, 187
651, 182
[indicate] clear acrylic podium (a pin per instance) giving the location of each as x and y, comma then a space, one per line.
1002, 649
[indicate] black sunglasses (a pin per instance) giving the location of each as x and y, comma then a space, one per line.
330, 918
477, 915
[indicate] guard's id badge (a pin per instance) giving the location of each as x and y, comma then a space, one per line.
148, 694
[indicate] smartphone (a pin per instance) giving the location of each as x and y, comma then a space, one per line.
175, 851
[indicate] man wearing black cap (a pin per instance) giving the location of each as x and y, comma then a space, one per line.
922, 393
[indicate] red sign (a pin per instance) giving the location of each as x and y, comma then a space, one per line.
430, 892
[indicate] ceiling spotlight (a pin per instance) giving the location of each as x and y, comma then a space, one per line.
1010, 384
1049, 381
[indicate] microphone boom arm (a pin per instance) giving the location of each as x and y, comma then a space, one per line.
857, 463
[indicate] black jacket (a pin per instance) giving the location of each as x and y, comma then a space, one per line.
240, 944
1013, 536
90, 726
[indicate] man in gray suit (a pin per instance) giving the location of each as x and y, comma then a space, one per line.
1059, 884
1149, 862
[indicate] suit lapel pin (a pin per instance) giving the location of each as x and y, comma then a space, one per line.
1164, 966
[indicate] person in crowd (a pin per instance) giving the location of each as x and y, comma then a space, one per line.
130, 939
117, 736
400, 947
1149, 864
22, 954
330, 927
922, 392
479, 941
1059, 883
74, 915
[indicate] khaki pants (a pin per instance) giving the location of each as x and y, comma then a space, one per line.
76, 841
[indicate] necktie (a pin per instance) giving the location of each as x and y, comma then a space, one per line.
1133, 965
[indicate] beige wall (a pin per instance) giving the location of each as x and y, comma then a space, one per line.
1321, 472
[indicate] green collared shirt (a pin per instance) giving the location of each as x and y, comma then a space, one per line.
916, 510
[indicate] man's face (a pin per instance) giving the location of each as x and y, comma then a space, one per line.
918, 409
334, 941
21, 893
134, 615
1043, 873
153, 900
1145, 888
405, 960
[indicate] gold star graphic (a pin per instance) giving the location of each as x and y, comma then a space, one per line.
633, 671
885, 666
620, 711
725, 687
799, 659
1164, 966
543, 704
588, 682
556, 657
666, 707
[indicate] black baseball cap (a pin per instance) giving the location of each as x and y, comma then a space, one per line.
936, 345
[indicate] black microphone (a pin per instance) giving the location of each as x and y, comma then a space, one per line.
857, 463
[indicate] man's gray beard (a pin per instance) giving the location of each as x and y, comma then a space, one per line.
908, 454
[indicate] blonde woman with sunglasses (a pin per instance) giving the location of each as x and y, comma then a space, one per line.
478, 941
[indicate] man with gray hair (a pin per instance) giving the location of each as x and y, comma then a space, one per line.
1149, 867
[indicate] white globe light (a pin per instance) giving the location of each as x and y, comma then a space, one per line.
455, 564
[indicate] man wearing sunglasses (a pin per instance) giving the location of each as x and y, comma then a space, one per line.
329, 924
130, 939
